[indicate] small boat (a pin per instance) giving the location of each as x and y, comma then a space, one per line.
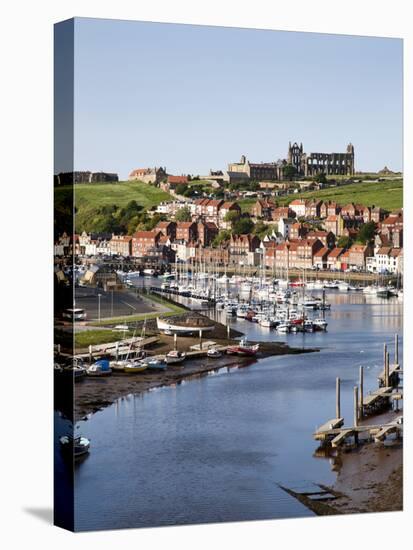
74, 446
266, 322
135, 366
99, 368
214, 353
308, 326
320, 324
174, 357
243, 348
382, 292
283, 328
155, 363
149, 272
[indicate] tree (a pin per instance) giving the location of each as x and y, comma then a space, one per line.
181, 188
223, 236
261, 229
183, 215
243, 226
366, 232
232, 216
289, 171
344, 242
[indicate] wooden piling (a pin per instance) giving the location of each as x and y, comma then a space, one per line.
228, 332
175, 341
200, 339
338, 398
387, 374
356, 407
90, 354
361, 391
396, 349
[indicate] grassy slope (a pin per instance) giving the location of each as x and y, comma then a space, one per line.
91, 196
386, 194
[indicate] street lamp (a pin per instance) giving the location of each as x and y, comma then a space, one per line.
99, 295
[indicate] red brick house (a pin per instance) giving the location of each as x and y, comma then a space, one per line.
326, 237
358, 254
144, 241
186, 231
320, 257
168, 229
207, 231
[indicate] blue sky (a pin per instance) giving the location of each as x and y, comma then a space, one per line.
193, 98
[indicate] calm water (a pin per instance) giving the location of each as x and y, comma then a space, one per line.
215, 448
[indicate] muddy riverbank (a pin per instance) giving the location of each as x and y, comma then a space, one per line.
93, 394
369, 479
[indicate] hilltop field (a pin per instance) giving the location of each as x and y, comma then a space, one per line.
386, 194
88, 198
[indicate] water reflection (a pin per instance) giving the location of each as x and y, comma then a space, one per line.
214, 448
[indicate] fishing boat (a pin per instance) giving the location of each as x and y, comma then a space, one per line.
99, 368
214, 353
266, 322
74, 446
174, 357
243, 348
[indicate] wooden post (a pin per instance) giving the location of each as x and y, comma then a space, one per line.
117, 351
356, 402
361, 398
338, 411
175, 340
200, 339
58, 350
387, 377
90, 354
228, 332
384, 357
396, 349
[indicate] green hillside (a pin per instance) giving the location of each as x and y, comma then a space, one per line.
89, 198
386, 194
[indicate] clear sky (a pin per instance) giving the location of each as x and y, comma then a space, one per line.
193, 98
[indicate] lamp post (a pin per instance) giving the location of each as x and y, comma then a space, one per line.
99, 295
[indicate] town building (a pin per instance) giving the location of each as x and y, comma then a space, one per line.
148, 175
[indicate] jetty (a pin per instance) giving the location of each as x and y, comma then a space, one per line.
334, 432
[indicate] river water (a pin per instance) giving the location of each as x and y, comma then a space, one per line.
215, 448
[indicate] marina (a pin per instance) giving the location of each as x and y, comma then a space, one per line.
231, 426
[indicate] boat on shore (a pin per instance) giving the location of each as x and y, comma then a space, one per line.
99, 368
135, 366
174, 357
189, 326
244, 349
214, 353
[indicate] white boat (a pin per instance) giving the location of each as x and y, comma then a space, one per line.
99, 368
266, 322
214, 353
173, 328
321, 323
283, 328
74, 447
174, 357
150, 272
